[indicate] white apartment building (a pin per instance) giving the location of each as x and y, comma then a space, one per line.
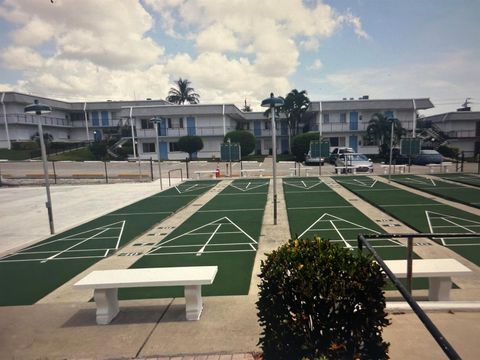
461, 127
343, 122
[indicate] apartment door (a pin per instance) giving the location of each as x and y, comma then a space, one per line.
163, 150
353, 142
354, 120
191, 126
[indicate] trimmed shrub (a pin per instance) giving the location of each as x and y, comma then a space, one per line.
25, 145
190, 144
449, 152
319, 300
244, 138
301, 144
99, 150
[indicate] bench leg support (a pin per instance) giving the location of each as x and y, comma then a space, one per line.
107, 305
439, 289
193, 302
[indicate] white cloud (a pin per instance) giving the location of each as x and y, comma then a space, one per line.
316, 65
451, 76
104, 49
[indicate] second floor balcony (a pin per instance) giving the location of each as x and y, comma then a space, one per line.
26, 119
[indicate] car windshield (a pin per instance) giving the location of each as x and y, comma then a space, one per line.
429, 152
356, 157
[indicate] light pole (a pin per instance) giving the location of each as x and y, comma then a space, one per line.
38, 109
391, 149
155, 121
230, 154
273, 102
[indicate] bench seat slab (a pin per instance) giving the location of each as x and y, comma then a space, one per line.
107, 305
439, 288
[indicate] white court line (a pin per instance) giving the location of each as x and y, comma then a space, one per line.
199, 253
406, 205
71, 247
196, 245
205, 252
246, 189
140, 213
220, 232
222, 210
340, 234
458, 225
120, 235
319, 207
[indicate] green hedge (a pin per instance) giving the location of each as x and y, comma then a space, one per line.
320, 300
301, 144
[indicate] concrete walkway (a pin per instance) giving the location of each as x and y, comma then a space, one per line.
62, 325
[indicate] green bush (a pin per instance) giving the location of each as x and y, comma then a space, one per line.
301, 144
25, 145
319, 299
99, 150
190, 144
447, 151
244, 138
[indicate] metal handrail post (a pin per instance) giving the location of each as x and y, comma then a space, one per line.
409, 263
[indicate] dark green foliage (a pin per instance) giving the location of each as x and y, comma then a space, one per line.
447, 151
319, 299
99, 150
379, 130
183, 93
190, 144
244, 138
301, 144
25, 145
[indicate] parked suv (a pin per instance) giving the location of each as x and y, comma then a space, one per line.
338, 151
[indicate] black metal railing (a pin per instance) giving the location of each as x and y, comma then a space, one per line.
436, 334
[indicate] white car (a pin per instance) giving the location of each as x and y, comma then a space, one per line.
309, 160
357, 160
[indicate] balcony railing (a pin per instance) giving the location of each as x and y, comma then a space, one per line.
462, 134
178, 132
35, 119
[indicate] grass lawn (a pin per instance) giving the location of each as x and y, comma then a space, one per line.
74, 155
14, 154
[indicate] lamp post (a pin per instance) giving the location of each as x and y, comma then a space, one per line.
391, 149
155, 121
230, 155
273, 102
39, 109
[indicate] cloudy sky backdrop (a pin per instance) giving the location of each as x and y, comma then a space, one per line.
232, 50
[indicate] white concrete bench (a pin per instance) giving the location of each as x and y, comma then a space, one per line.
438, 272
351, 169
107, 282
401, 168
432, 167
445, 166
199, 172
293, 171
245, 172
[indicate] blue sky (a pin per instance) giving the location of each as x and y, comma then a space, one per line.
242, 49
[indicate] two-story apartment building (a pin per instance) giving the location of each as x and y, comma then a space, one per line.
343, 122
461, 127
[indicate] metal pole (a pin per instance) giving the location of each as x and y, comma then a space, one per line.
54, 172
320, 117
391, 148
409, 263
9, 143
158, 155
86, 120
151, 169
274, 170
48, 204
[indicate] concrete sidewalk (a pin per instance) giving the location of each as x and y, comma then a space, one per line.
156, 328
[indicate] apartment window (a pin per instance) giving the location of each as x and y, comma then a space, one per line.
326, 118
343, 117
267, 125
175, 123
147, 124
148, 147
333, 141
173, 146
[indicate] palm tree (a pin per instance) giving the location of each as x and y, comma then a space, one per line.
183, 93
379, 130
295, 105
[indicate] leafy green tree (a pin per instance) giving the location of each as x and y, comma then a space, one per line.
183, 93
190, 144
379, 130
47, 138
244, 138
301, 144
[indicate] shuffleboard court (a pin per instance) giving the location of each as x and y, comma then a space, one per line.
224, 232
315, 209
451, 191
31, 273
469, 179
420, 213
